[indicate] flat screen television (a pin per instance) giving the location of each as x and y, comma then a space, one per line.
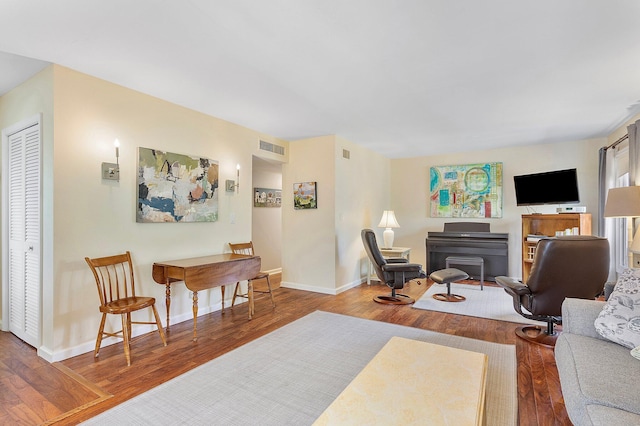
556, 187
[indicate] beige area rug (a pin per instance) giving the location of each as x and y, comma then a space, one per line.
291, 375
492, 303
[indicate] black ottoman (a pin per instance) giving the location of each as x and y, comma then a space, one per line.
447, 276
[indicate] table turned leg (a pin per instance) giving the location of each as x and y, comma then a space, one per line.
195, 315
250, 297
167, 300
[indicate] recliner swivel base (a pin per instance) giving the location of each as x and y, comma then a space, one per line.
397, 299
537, 335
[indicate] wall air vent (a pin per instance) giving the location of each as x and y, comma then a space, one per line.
346, 154
268, 146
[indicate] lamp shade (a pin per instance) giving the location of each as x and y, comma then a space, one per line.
388, 220
635, 244
623, 202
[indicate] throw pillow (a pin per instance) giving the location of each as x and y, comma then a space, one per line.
619, 320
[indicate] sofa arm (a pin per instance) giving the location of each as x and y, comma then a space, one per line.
579, 315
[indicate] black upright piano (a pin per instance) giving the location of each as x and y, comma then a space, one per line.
469, 239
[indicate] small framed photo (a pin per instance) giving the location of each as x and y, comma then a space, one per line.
305, 196
267, 197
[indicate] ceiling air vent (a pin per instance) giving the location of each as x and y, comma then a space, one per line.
267, 146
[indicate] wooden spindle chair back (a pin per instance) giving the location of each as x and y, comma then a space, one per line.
116, 289
114, 277
247, 249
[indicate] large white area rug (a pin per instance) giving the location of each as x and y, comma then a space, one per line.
291, 375
492, 302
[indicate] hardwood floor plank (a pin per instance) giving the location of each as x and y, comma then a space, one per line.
539, 397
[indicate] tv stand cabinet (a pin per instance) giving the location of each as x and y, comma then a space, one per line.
546, 225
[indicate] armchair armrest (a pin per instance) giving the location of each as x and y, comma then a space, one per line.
397, 260
513, 286
402, 267
579, 315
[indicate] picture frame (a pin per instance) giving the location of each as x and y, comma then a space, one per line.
305, 196
466, 190
176, 187
267, 197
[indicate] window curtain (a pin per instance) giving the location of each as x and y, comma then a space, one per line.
634, 153
613, 163
606, 226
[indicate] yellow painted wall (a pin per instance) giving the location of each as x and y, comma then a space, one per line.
412, 202
92, 217
321, 249
308, 235
362, 193
36, 97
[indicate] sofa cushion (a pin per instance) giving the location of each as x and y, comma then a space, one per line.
596, 372
619, 320
607, 416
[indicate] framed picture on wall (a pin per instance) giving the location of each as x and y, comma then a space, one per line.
267, 197
176, 187
305, 196
466, 190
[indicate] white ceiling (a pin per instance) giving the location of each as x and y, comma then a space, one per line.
403, 77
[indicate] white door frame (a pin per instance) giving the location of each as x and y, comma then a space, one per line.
26, 123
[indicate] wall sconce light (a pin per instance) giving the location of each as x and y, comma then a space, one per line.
233, 185
111, 171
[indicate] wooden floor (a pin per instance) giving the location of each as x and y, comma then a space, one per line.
35, 392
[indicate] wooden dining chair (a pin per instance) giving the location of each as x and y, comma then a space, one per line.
247, 248
116, 288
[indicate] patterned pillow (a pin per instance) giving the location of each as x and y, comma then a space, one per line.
619, 320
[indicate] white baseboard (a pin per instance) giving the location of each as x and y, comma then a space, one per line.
323, 290
305, 287
137, 330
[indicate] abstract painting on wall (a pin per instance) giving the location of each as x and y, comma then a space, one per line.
304, 196
466, 191
267, 197
176, 187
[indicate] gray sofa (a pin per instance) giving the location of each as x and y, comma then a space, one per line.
600, 379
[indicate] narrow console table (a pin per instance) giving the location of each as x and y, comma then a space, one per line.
200, 273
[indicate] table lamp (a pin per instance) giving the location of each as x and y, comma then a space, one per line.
625, 202
388, 221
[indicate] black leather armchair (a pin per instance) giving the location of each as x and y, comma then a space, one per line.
394, 272
571, 266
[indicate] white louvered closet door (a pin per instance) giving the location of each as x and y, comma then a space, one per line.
24, 234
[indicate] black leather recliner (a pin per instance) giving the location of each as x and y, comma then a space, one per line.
394, 272
571, 266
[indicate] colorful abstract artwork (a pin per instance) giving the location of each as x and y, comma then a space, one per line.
466, 191
176, 187
267, 197
305, 196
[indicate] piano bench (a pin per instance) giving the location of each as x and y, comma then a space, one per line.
468, 260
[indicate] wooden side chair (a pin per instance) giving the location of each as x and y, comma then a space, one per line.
247, 248
116, 288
